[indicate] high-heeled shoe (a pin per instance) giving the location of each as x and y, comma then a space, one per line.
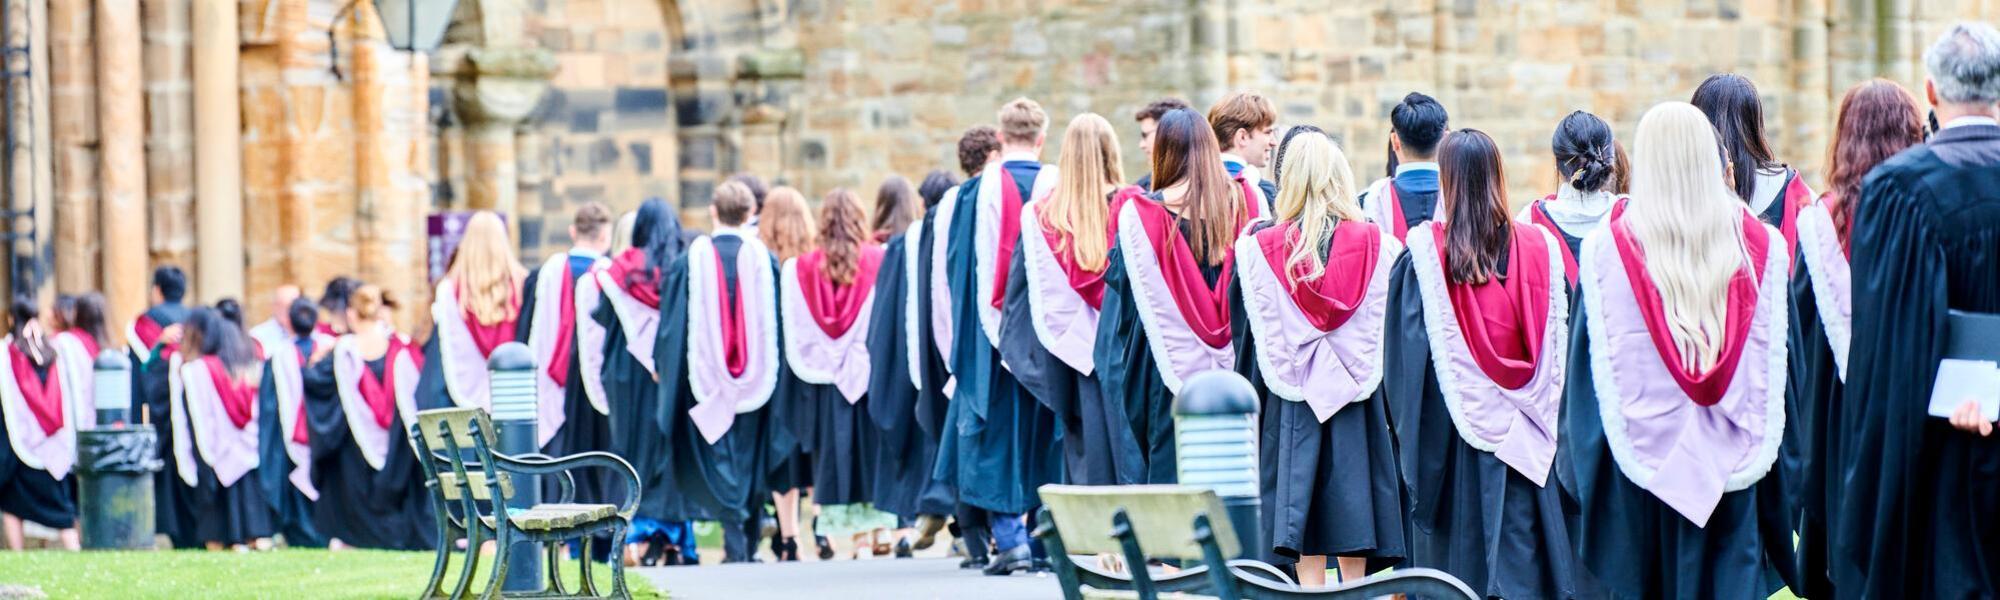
787, 550
825, 547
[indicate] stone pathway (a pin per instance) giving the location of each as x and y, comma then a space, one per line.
912, 579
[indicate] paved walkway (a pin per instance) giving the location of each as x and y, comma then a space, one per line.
912, 579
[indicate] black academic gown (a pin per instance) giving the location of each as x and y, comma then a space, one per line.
901, 482
583, 429
170, 502
388, 509
996, 419
1328, 489
214, 513
30, 493
1073, 402
1916, 517
291, 511
1128, 376
1814, 396
637, 433
1470, 514
931, 403
727, 480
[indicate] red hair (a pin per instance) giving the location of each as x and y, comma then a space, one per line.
1877, 119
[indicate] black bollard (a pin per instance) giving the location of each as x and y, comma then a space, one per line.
512, 389
1215, 446
115, 465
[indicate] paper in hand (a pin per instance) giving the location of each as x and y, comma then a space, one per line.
1960, 381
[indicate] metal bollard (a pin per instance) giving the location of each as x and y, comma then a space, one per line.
512, 389
115, 465
111, 384
1215, 446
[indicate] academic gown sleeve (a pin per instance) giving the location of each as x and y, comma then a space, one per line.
932, 402
273, 464
526, 322
1051, 382
1813, 401
1129, 382
891, 397
1423, 437
431, 389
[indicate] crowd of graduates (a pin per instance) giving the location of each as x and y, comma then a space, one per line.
1637, 385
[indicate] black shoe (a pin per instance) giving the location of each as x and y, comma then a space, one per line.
1007, 562
825, 547
787, 550
1041, 565
928, 527
972, 562
903, 548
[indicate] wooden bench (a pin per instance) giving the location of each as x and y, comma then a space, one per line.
1173, 522
470, 485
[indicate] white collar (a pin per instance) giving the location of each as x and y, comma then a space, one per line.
1415, 166
1970, 120
722, 230
1578, 212
585, 253
1231, 157
1020, 155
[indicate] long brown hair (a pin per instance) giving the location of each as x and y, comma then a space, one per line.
786, 225
895, 206
1185, 150
841, 233
1473, 191
1877, 119
1076, 207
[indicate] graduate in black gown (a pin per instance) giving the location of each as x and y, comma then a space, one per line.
1773, 190
924, 341
285, 431
1674, 410
718, 344
1915, 519
212, 383
1476, 348
144, 339
787, 227
1877, 119
1409, 196
571, 420
1307, 313
1586, 163
978, 147
42, 410
359, 399
826, 301
1003, 447
907, 454
475, 308
1048, 329
1166, 284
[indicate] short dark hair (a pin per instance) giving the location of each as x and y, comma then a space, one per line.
935, 185
1159, 107
171, 281
591, 218
1420, 122
334, 299
975, 145
756, 186
304, 317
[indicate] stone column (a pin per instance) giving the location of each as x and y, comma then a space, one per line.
73, 136
495, 91
23, 255
121, 177
170, 138
218, 152
44, 185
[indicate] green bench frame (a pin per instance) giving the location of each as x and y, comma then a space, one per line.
1173, 522
470, 485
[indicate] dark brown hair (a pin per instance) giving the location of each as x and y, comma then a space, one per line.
591, 218
895, 205
1472, 190
975, 145
1158, 108
1732, 106
1184, 149
841, 235
1877, 119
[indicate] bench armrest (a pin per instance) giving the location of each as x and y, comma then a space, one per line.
537, 464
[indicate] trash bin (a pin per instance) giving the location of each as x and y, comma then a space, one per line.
114, 483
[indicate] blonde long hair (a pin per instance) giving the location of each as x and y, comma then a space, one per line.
1077, 207
1685, 215
1317, 192
786, 224
485, 270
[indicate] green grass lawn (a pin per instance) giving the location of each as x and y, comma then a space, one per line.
279, 574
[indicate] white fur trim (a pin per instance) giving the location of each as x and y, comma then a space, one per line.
1049, 291
1447, 341
288, 386
913, 248
590, 340
1374, 207
942, 332
1254, 269
229, 451
544, 325
1832, 280
35, 449
78, 368
986, 241
348, 367
464, 368
133, 342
